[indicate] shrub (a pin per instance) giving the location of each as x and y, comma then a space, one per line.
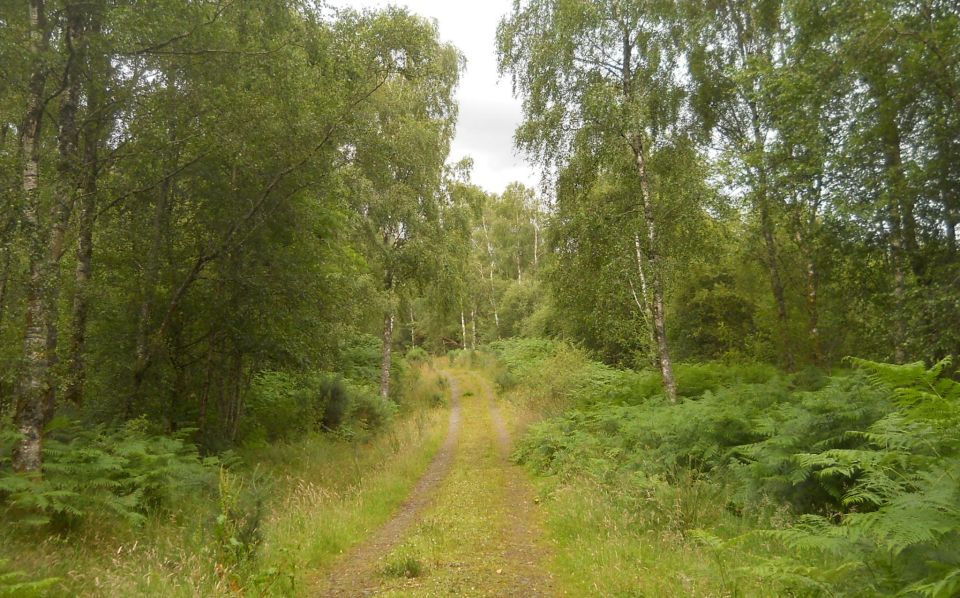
369, 411
417, 356
360, 358
332, 403
863, 464
237, 528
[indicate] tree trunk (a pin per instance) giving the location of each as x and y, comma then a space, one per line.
387, 355
536, 244
773, 269
657, 306
68, 138
159, 232
413, 329
813, 286
493, 299
34, 380
463, 331
92, 139
762, 205
644, 303
950, 225
88, 207
9, 214
473, 327
4, 281
893, 197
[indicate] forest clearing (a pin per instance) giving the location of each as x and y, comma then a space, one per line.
283, 314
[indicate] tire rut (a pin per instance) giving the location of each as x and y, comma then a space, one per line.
356, 574
521, 549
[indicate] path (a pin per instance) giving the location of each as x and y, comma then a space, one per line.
356, 574
470, 526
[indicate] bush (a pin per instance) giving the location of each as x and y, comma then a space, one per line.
332, 402
417, 356
237, 527
284, 407
360, 358
369, 411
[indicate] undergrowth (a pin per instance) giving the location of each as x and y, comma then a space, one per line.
127, 511
755, 483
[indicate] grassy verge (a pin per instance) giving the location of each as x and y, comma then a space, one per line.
273, 524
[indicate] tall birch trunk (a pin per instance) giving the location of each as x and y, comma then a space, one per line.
536, 243
413, 329
657, 307
387, 355
473, 327
493, 299
643, 301
34, 379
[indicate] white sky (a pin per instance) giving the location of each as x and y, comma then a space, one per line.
488, 112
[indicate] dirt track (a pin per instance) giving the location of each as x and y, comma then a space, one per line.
470, 525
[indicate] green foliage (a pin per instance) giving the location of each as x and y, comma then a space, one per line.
96, 473
237, 528
12, 584
403, 562
899, 524
285, 407
369, 411
417, 356
865, 464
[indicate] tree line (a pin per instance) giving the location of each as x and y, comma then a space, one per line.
762, 179
193, 193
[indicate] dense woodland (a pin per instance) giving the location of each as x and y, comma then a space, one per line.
227, 225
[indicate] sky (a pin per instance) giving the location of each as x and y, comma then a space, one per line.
489, 113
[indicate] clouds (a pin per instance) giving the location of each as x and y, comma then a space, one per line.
488, 112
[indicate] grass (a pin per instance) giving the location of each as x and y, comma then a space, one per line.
458, 547
454, 539
322, 495
405, 562
334, 508
613, 545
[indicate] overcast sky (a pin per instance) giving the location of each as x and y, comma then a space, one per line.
488, 112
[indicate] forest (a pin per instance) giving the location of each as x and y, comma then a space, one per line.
245, 286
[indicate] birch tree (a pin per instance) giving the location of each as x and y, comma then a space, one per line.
600, 77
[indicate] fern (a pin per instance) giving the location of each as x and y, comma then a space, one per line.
124, 473
12, 583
